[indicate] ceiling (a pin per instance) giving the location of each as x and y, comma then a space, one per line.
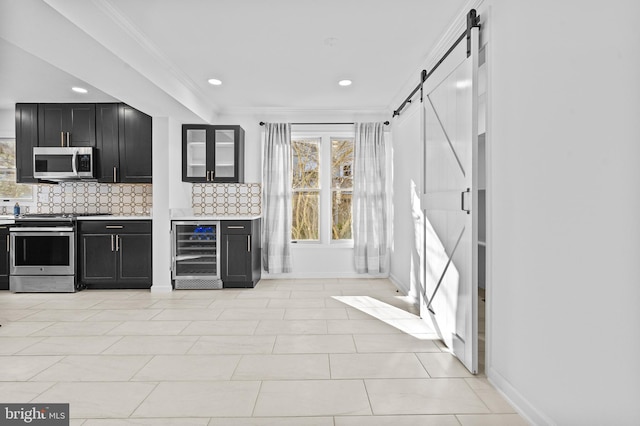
274, 55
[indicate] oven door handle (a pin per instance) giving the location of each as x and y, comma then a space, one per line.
41, 229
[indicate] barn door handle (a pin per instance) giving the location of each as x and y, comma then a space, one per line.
462, 197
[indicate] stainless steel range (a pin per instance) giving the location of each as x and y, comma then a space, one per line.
42, 254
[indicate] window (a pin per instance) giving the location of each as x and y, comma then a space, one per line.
305, 197
341, 188
322, 187
10, 191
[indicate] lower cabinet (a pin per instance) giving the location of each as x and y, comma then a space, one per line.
4, 257
240, 253
115, 254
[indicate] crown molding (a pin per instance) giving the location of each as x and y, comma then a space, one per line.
452, 33
303, 111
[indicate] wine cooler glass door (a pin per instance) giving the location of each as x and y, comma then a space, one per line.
196, 250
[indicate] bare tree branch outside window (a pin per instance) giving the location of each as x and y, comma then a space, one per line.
9, 189
306, 189
341, 188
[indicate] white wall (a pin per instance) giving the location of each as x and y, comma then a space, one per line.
563, 299
565, 102
161, 253
7, 123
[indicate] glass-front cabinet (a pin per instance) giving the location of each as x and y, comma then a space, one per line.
212, 153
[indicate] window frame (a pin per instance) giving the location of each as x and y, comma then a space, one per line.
325, 137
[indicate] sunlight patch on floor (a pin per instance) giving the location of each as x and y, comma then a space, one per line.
399, 318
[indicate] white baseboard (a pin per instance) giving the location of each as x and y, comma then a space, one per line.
402, 287
526, 410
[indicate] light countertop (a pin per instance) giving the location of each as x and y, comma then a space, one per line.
9, 219
200, 218
113, 217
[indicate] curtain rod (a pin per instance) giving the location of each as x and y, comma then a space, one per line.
472, 21
262, 123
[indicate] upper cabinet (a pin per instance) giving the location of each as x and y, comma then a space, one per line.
67, 125
212, 153
121, 135
26, 139
123, 140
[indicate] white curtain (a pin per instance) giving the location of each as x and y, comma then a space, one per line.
276, 181
370, 209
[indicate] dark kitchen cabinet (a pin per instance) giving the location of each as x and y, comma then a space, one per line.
123, 141
115, 254
4, 257
26, 139
67, 125
212, 153
241, 267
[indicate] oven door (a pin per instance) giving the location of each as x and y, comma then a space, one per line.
42, 251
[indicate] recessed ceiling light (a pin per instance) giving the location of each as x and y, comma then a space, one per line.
331, 41
345, 82
214, 81
79, 90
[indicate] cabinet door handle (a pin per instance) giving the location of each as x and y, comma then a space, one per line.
249, 243
68, 138
61, 138
235, 227
117, 242
8, 244
114, 227
112, 247
208, 174
114, 174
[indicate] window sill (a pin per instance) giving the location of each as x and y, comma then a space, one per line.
318, 245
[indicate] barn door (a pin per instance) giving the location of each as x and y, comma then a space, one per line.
450, 202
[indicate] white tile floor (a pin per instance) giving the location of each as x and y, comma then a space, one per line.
289, 352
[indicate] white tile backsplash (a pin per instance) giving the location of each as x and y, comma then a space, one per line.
93, 197
226, 198
136, 199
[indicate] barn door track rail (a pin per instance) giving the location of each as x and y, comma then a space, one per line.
473, 21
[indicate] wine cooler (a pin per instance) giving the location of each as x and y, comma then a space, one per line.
195, 256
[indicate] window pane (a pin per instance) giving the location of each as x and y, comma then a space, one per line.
7, 153
341, 163
341, 215
305, 164
305, 224
9, 189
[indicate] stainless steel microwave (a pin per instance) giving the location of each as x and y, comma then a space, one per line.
63, 163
